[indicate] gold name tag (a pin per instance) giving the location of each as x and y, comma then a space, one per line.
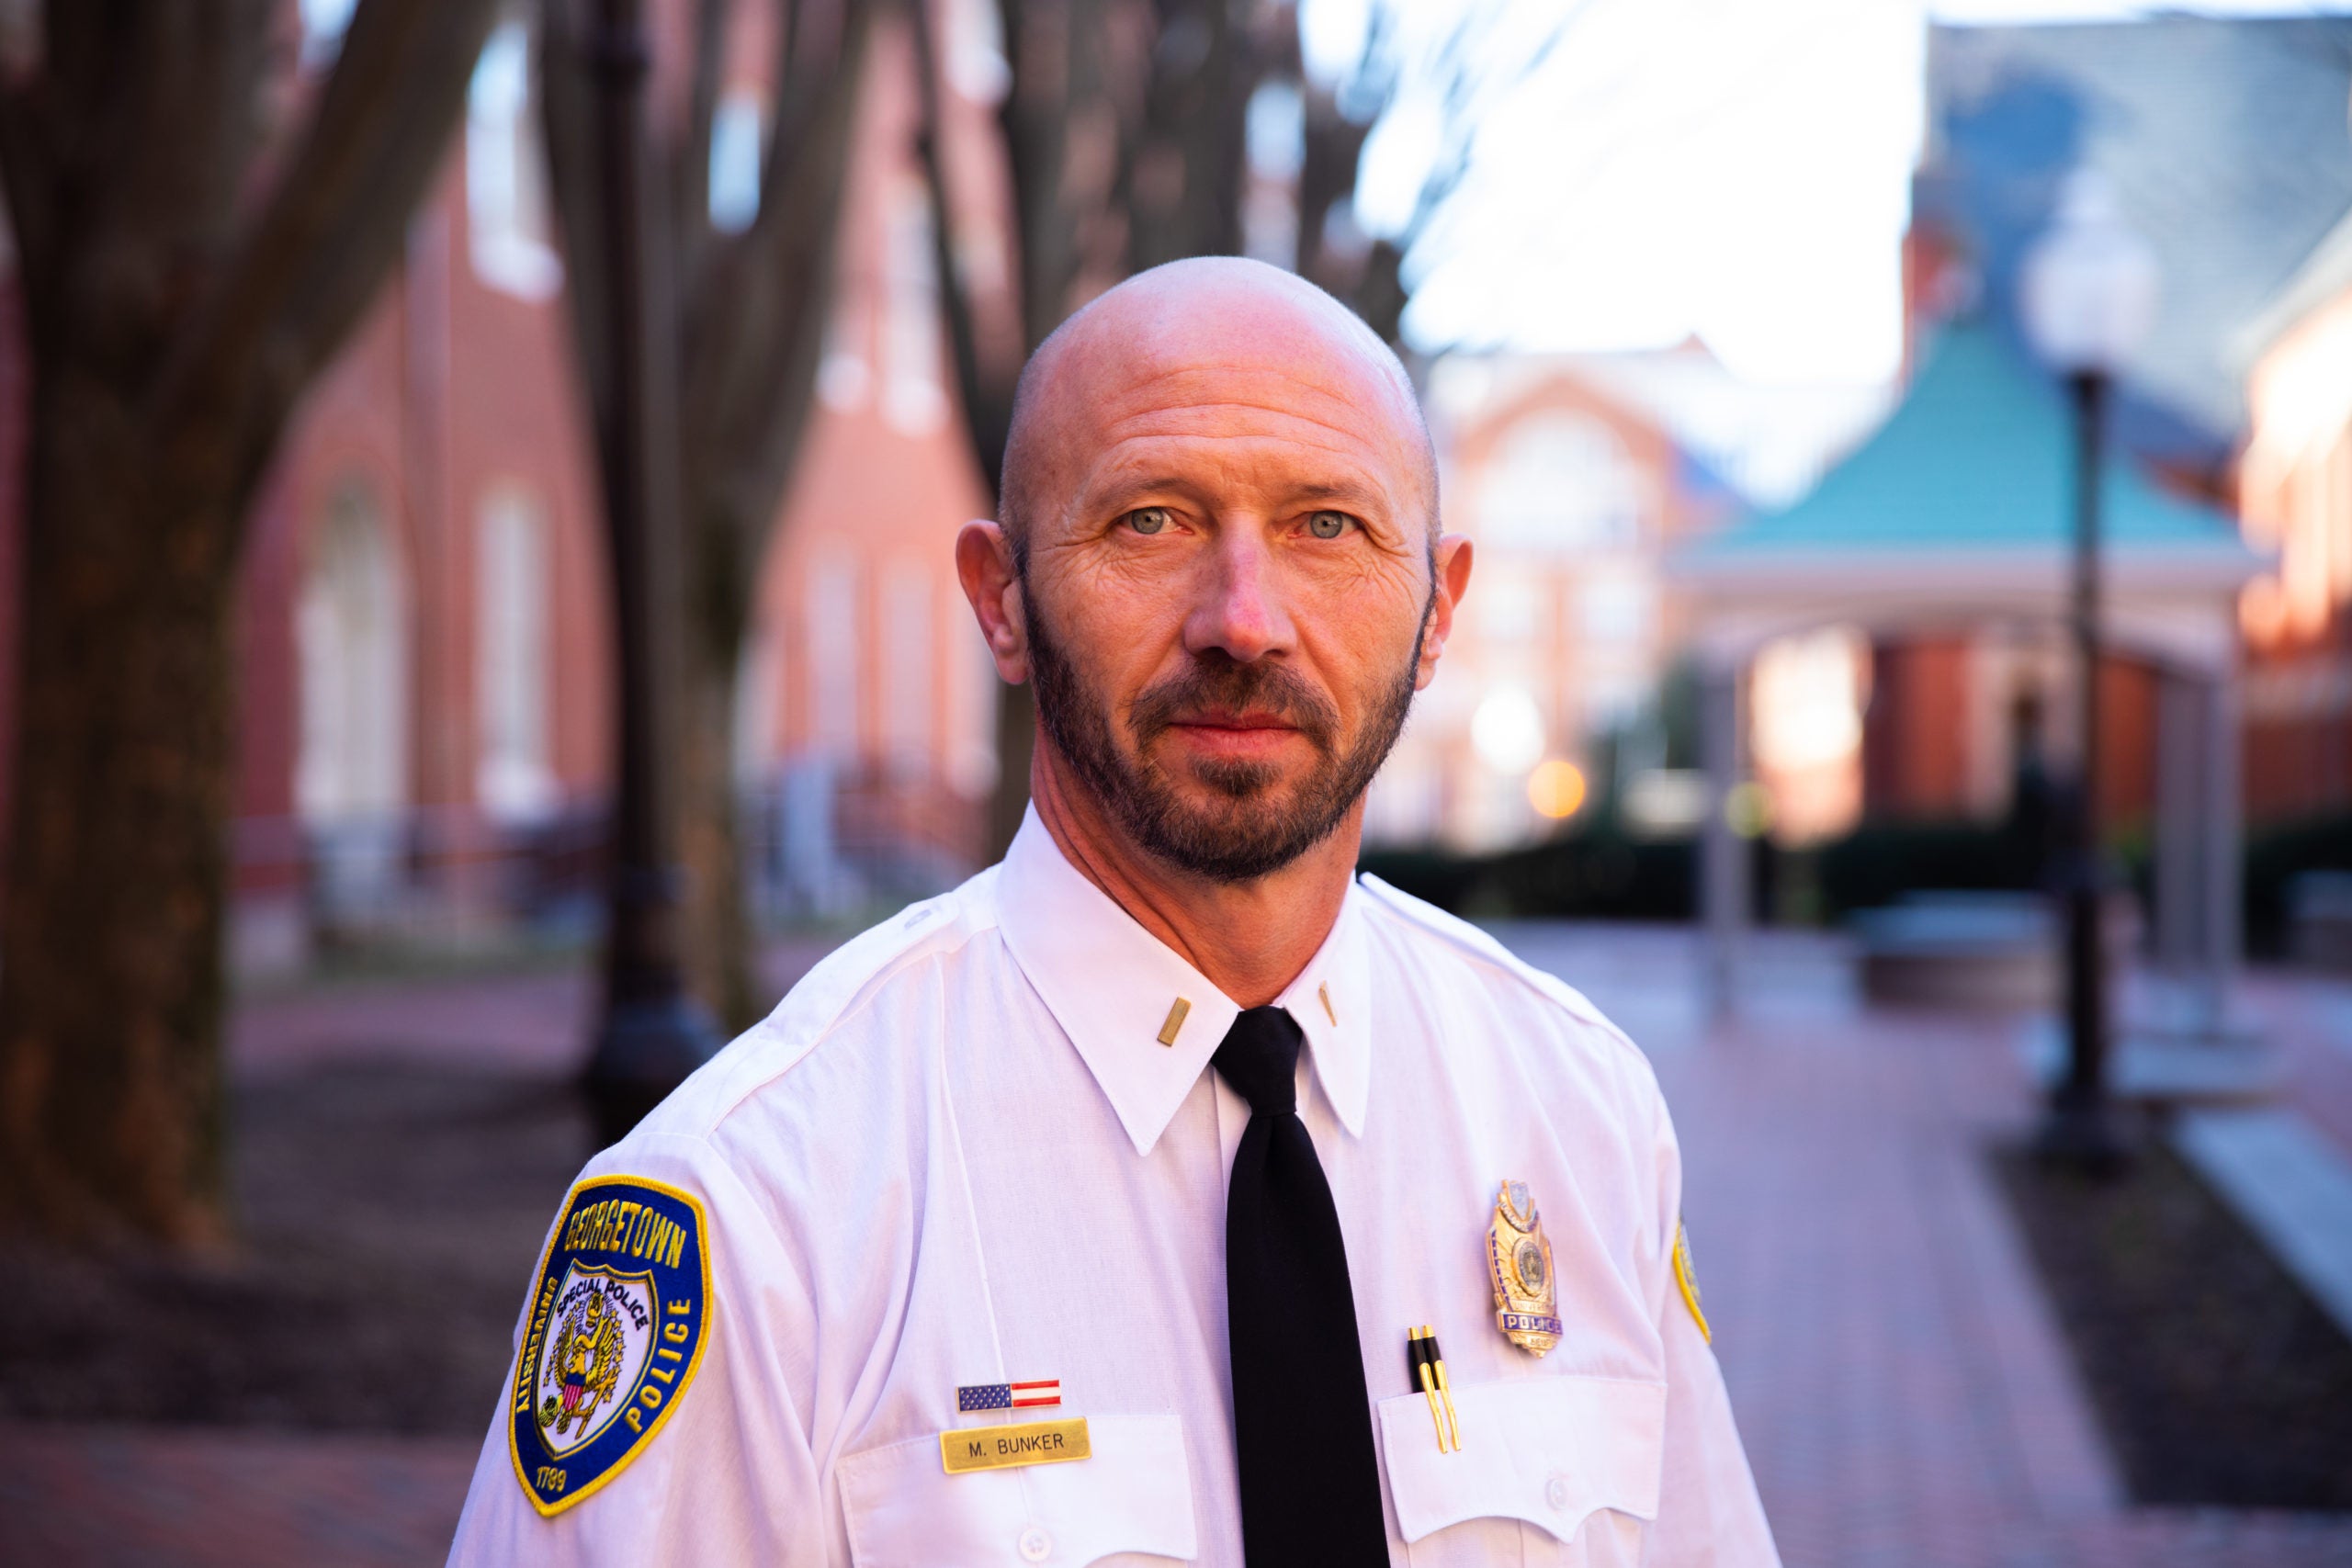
1001, 1448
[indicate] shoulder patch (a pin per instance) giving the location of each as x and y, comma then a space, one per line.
1687, 1276
620, 1313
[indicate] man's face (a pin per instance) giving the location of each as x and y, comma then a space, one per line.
1228, 576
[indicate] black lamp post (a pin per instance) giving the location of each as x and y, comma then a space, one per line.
2087, 292
651, 1035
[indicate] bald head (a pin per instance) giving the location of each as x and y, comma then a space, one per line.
1194, 331
1218, 567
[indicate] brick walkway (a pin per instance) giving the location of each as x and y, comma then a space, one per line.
533, 1023
1904, 1393
81, 1497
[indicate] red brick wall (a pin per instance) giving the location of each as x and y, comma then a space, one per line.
451, 387
2127, 724
2298, 765
880, 497
1917, 756
1915, 737
517, 413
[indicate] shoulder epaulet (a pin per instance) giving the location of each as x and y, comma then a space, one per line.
819, 1002
1482, 946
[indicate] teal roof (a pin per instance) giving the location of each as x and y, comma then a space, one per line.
1980, 456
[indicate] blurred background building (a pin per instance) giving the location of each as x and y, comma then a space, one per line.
1579, 473
2225, 144
424, 657
1715, 310
2295, 493
426, 654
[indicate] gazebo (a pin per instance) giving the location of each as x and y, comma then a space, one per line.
1958, 514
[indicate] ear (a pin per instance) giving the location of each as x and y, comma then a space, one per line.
984, 565
1453, 582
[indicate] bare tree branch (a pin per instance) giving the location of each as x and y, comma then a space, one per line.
187, 270
333, 224
567, 124
985, 400
690, 179
756, 329
1183, 188
750, 311
1466, 74
1123, 134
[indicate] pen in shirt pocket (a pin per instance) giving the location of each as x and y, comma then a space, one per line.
1426, 1364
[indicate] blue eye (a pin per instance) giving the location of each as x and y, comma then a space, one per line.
1328, 524
1147, 519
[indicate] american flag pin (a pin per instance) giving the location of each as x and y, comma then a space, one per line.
1009, 1395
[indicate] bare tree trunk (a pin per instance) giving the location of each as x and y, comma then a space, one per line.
175, 308
1184, 186
722, 950
1123, 129
750, 311
111, 993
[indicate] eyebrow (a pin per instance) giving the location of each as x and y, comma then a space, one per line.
1353, 494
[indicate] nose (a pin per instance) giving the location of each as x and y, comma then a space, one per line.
1239, 608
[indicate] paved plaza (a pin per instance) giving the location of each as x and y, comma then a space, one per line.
1902, 1388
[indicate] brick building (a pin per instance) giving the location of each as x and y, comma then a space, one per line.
1577, 476
2225, 142
425, 735
1569, 496
2295, 493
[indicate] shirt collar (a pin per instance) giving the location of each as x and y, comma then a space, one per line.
1110, 984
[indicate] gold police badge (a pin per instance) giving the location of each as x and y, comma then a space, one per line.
1518, 1264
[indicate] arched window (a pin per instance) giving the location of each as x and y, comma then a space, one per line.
507, 179
1560, 484
914, 399
351, 636
512, 780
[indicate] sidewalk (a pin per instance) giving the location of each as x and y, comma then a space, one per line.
98, 1497
1904, 1394
531, 1022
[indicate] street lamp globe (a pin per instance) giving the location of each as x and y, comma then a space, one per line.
2088, 290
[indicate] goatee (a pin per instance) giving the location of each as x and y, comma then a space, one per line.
1248, 830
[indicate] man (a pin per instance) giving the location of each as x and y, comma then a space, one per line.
1164, 1192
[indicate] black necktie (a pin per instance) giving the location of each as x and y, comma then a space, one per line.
1301, 1421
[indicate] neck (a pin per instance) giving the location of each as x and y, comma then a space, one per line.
1248, 939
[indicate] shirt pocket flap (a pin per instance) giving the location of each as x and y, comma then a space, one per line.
1133, 1493
1548, 1450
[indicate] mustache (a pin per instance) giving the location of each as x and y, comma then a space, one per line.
1217, 681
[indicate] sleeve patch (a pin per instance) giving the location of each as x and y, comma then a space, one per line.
620, 1312
1686, 1278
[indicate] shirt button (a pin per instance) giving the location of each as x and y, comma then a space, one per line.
1036, 1545
1555, 1491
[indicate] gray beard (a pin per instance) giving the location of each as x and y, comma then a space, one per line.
1246, 833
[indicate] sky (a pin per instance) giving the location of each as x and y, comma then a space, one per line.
1733, 170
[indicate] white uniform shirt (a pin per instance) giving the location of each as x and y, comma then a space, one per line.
958, 1154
